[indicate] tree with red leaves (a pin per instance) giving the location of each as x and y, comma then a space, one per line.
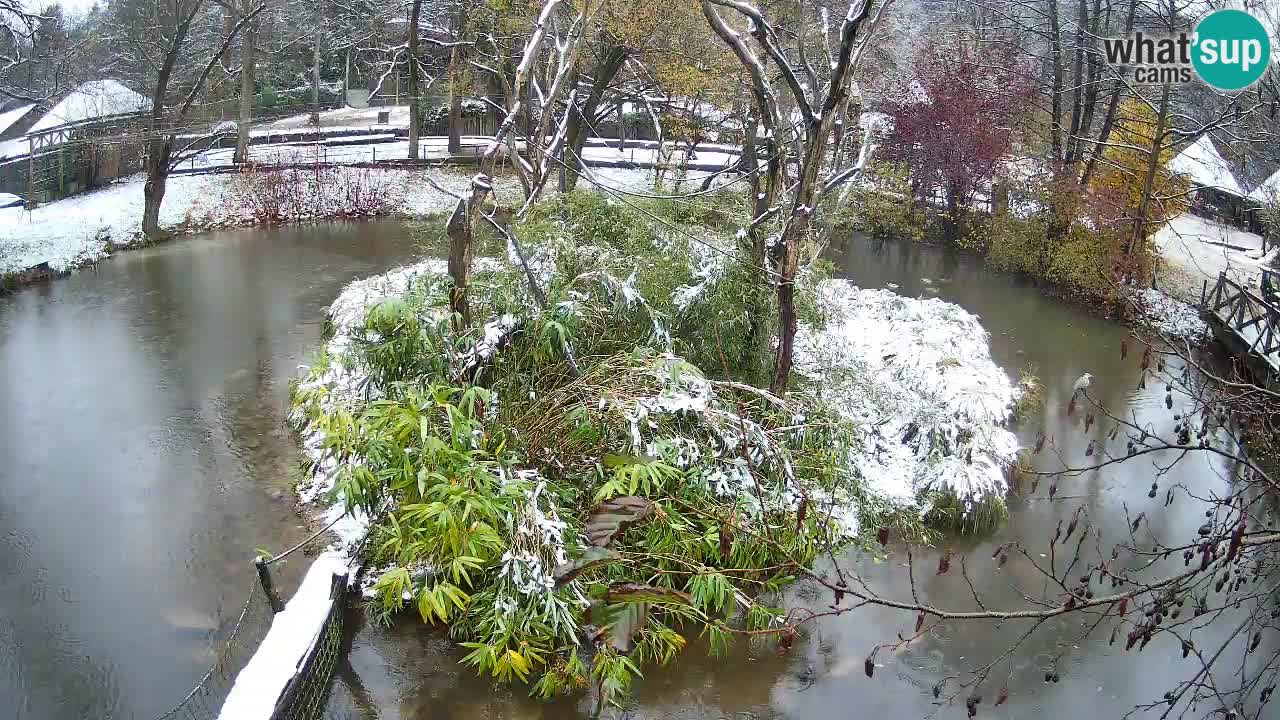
954, 121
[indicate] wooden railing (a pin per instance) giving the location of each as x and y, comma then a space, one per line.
1253, 318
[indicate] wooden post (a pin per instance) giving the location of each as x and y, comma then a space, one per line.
264, 576
31, 173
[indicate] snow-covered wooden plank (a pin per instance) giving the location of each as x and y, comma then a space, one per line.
294, 632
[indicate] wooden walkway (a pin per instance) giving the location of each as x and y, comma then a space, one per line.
1247, 320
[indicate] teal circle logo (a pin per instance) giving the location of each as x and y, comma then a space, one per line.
1231, 49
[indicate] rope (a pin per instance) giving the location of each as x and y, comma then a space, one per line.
276, 558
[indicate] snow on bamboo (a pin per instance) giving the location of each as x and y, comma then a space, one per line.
342, 385
916, 378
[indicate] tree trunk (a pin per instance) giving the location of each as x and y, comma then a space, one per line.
455, 100
1148, 182
580, 116
756, 302
315, 74
622, 128
459, 230
793, 235
1057, 90
153, 191
248, 71
414, 101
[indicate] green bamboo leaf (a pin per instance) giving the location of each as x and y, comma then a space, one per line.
626, 621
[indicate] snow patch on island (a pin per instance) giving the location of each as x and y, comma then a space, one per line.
916, 378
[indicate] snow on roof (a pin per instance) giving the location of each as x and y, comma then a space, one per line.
91, 101
12, 116
1205, 167
1268, 193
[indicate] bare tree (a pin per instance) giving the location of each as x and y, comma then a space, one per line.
533, 170
186, 32
248, 77
816, 104
37, 57
415, 101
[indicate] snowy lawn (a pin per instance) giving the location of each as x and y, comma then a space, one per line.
84, 228
1196, 251
343, 118
81, 229
379, 146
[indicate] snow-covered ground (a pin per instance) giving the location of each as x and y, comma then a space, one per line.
347, 117
1170, 317
917, 379
82, 229
378, 147
1196, 251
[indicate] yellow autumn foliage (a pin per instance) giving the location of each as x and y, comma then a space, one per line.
1124, 168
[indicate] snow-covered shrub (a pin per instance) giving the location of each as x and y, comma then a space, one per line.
916, 379
488, 491
565, 471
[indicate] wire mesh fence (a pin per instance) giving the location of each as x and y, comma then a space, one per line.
204, 701
307, 692
306, 695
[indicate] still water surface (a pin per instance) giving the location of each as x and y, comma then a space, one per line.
145, 457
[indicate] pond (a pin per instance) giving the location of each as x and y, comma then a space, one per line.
145, 457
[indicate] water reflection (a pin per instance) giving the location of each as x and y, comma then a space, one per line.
145, 456
408, 671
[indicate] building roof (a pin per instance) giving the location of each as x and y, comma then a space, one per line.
1268, 193
10, 117
1205, 167
92, 101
